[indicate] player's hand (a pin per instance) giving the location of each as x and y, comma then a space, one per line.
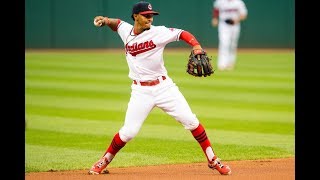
99, 21
197, 49
214, 22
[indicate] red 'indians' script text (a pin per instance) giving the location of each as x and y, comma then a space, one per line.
136, 48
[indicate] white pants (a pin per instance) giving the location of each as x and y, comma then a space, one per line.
228, 42
165, 95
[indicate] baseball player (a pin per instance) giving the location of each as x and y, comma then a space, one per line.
151, 85
227, 15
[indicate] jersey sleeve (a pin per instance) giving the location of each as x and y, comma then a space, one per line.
169, 34
124, 30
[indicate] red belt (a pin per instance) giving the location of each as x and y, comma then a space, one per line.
150, 83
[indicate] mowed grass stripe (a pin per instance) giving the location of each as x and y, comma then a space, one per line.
240, 74
97, 62
74, 113
204, 89
245, 94
106, 87
269, 60
222, 114
76, 76
114, 104
74, 102
79, 93
161, 117
176, 72
165, 132
241, 71
240, 84
240, 96
125, 96
278, 64
228, 113
263, 97
122, 68
84, 70
267, 124
80, 63
276, 58
73, 57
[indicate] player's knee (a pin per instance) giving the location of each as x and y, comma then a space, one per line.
127, 135
191, 126
190, 122
124, 137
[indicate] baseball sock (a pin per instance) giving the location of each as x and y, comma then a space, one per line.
114, 147
200, 135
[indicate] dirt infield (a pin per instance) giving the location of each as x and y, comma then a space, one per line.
274, 169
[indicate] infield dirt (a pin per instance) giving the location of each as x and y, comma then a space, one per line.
273, 169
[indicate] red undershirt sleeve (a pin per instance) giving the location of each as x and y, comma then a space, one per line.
189, 38
215, 13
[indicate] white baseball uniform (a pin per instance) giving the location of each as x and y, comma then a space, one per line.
144, 54
152, 87
228, 34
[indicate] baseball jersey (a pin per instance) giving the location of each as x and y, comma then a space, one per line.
230, 9
144, 52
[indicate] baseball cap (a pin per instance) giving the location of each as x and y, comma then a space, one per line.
143, 7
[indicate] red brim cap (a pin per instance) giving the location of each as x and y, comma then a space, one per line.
149, 12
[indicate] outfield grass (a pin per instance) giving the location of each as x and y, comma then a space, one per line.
76, 102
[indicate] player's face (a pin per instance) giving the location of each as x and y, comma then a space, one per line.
145, 20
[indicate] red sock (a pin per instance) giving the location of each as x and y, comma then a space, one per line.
115, 145
200, 135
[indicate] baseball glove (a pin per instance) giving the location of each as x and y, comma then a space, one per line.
199, 64
229, 21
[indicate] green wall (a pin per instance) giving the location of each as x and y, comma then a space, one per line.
69, 23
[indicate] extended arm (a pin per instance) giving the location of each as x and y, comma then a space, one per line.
191, 40
100, 21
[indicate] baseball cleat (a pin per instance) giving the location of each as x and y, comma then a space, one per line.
99, 166
216, 164
105, 171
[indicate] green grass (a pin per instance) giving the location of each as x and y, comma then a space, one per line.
76, 102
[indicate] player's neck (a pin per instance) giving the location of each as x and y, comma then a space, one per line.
137, 30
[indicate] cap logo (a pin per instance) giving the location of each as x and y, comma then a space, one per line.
149, 7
